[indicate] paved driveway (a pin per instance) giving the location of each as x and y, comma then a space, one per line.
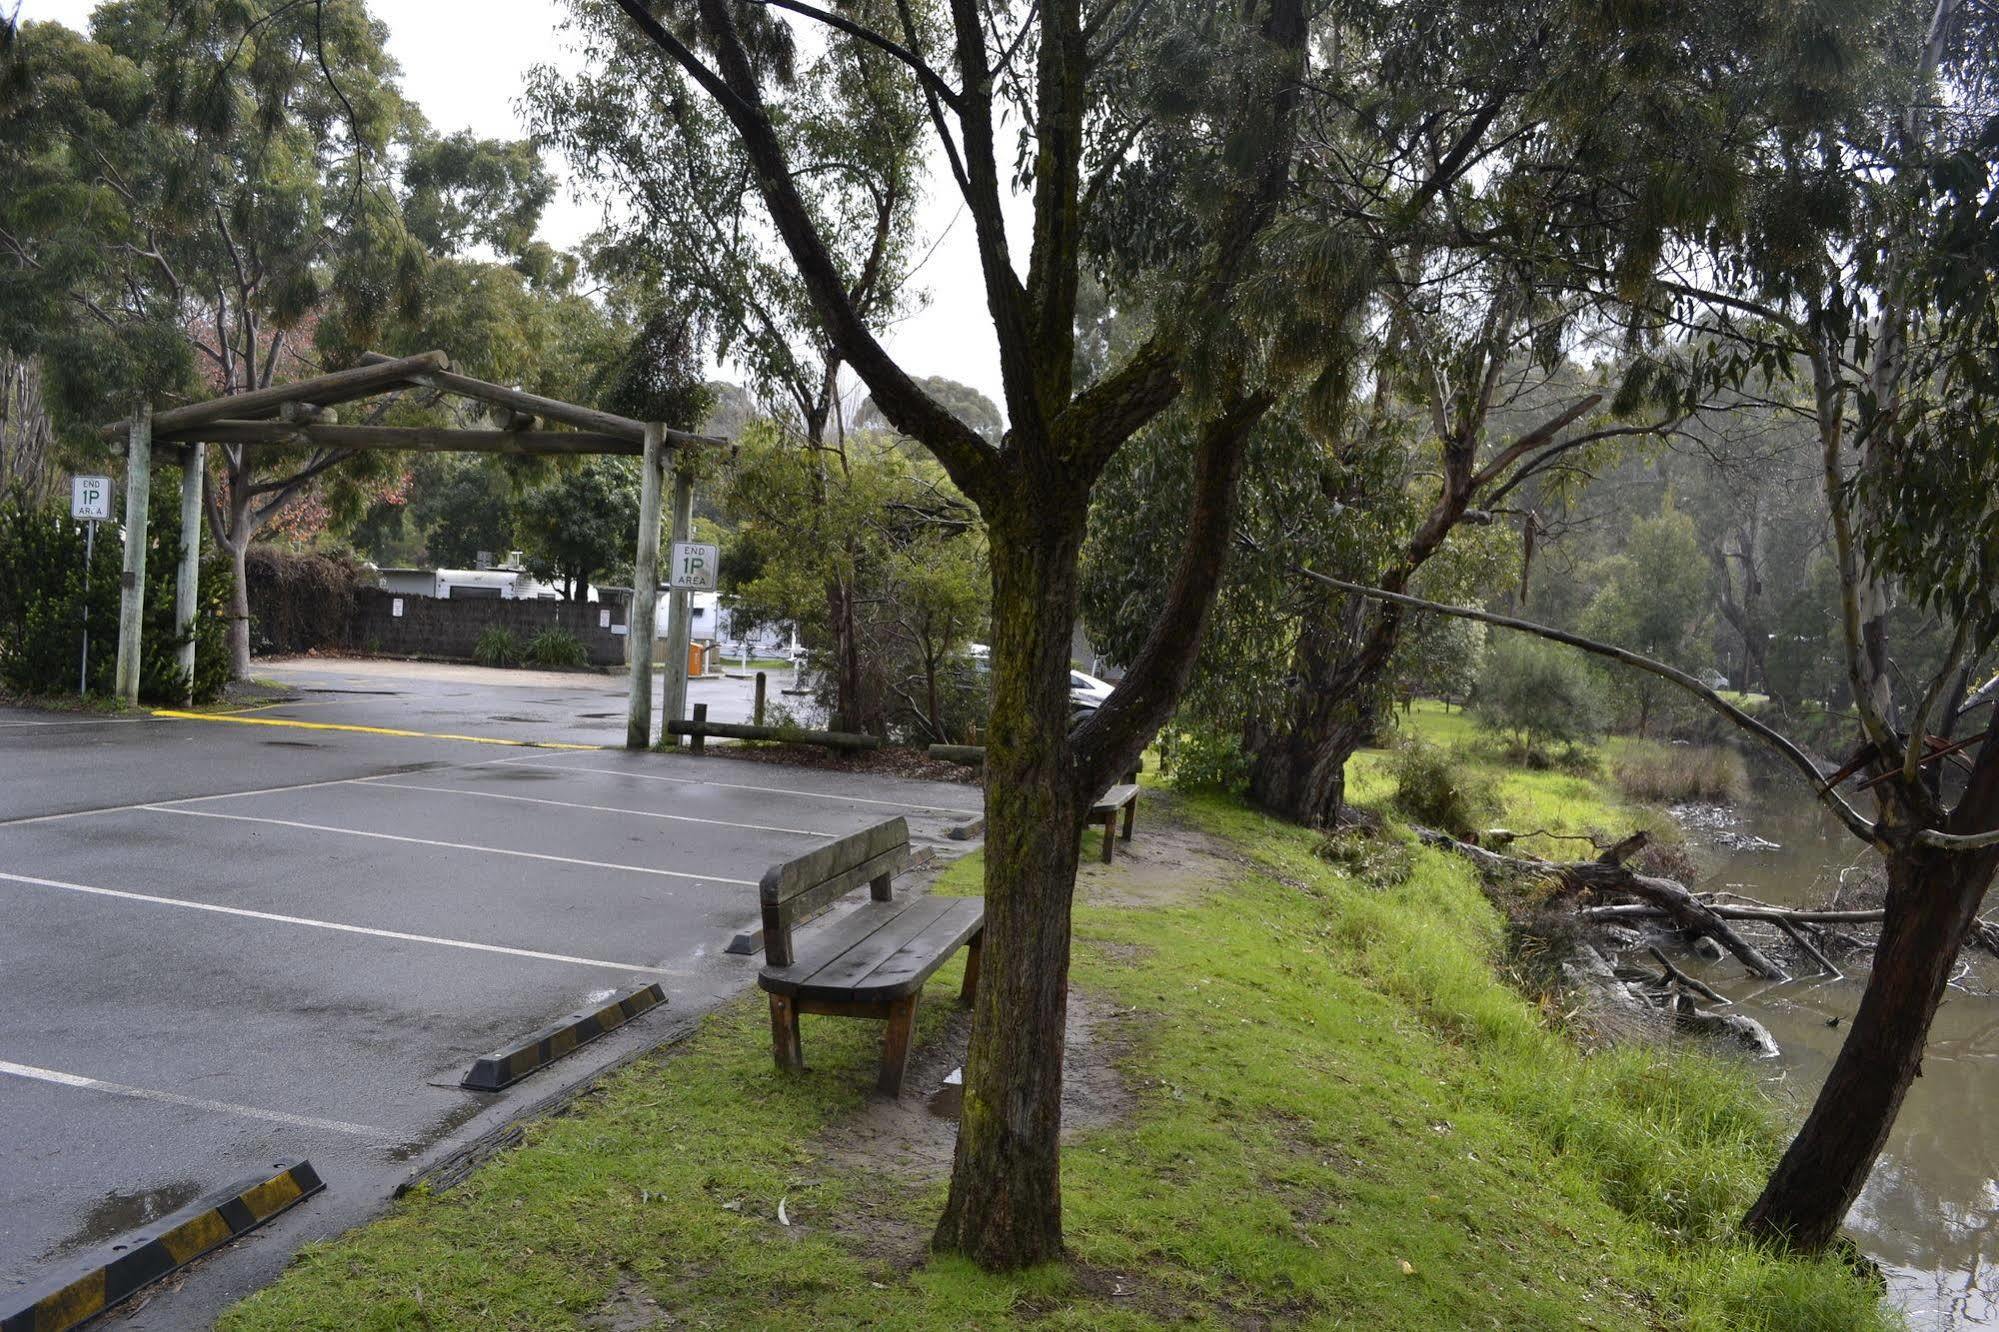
224, 943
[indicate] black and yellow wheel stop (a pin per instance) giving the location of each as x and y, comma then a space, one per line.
162, 1249
510, 1063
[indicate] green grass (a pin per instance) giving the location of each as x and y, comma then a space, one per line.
1342, 1118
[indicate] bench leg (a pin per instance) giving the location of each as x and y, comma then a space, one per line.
1130, 813
896, 1040
784, 1044
970, 989
1110, 835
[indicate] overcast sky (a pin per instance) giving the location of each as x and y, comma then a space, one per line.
464, 62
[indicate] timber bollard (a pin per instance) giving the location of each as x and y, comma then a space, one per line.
757, 717
700, 745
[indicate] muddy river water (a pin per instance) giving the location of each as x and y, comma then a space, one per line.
1930, 1214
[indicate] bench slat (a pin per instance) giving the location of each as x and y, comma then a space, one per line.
845, 970
1116, 798
879, 952
836, 938
920, 957
850, 860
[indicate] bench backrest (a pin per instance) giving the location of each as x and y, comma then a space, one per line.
797, 890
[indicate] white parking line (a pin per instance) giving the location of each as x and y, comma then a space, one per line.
184, 800
598, 809
193, 1103
741, 786
248, 914
450, 846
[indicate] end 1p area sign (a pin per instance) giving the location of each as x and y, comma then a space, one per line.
694, 566
90, 498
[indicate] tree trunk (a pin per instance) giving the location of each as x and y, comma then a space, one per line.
1933, 897
239, 605
1005, 1205
1300, 772
1302, 775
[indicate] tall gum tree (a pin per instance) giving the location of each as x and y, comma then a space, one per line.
1033, 488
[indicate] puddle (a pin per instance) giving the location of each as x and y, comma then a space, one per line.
120, 1213
511, 717
292, 744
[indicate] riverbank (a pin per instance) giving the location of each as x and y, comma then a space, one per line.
1300, 1093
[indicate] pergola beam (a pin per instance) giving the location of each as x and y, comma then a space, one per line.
420, 439
341, 386
548, 409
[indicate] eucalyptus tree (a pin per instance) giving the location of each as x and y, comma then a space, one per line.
682, 220
208, 197
1110, 127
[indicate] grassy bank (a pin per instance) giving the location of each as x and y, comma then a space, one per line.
1321, 1108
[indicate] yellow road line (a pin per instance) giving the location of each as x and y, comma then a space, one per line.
171, 714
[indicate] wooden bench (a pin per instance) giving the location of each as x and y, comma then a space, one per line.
1123, 796
872, 962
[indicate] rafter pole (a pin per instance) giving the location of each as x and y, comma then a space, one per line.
187, 587
679, 611
132, 583
642, 617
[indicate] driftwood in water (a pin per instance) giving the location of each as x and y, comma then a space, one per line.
1609, 875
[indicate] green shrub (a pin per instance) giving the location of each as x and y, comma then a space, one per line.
1539, 693
556, 647
1207, 758
45, 590
1673, 773
1437, 787
498, 646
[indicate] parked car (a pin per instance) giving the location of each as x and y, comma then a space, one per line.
1086, 692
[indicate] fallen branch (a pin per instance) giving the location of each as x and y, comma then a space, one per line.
1686, 982
1772, 915
1797, 936
1607, 876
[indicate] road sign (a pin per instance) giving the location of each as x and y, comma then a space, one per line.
694, 566
90, 498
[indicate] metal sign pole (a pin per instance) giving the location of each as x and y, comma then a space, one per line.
89, 550
89, 504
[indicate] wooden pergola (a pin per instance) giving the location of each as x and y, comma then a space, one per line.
303, 414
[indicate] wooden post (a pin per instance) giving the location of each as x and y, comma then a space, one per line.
757, 717
679, 615
132, 594
187, 587
641, 618
700, 745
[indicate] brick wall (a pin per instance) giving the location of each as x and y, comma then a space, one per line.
447, 628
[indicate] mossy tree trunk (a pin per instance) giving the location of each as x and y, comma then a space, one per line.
1005, 1204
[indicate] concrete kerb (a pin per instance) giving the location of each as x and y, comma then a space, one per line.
512, 1062
122, 1271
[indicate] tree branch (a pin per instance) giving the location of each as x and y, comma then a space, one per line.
1118, 732
1855, 823
970, 460
931, 80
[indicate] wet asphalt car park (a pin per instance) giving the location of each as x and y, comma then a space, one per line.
229, 943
